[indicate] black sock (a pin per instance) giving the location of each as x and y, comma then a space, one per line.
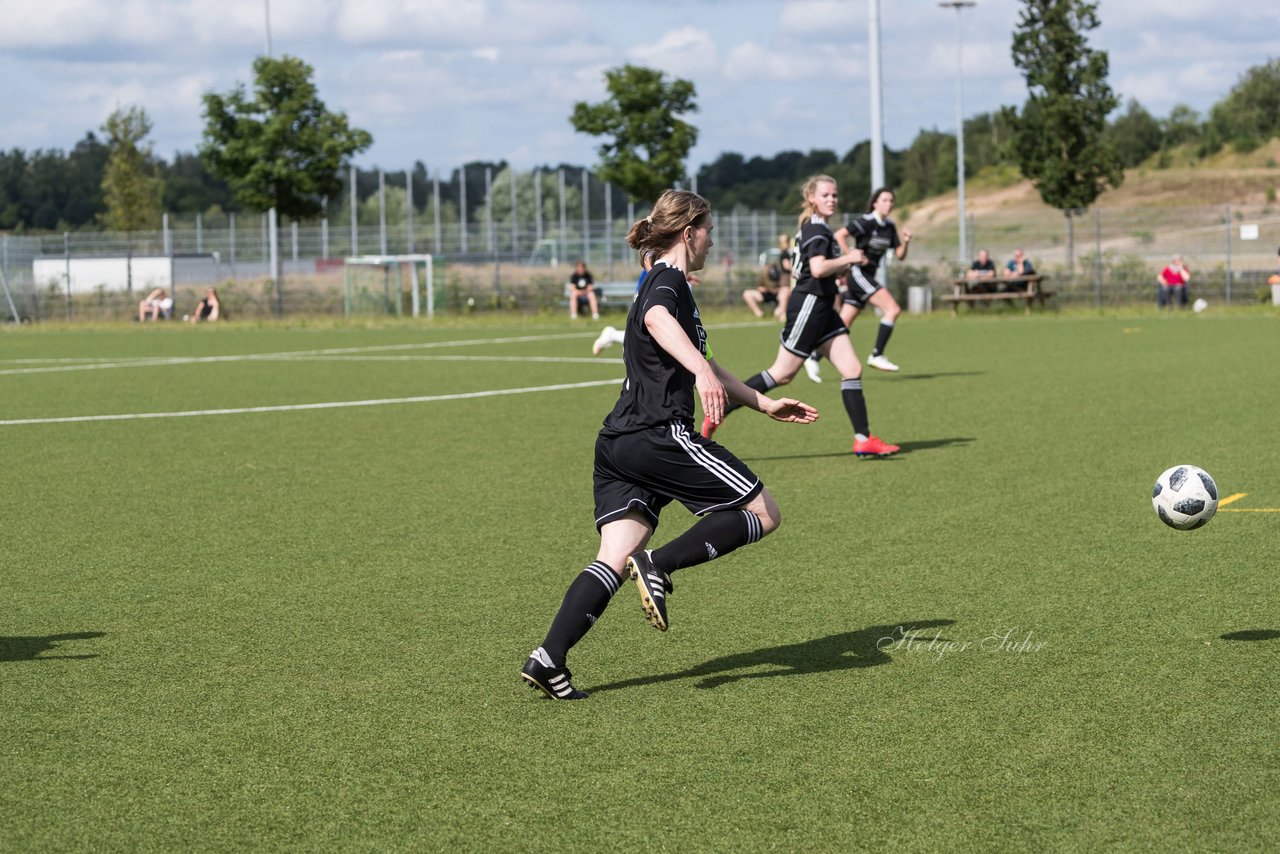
712, 536
761, 382
882, 338
816, 356
856, 405
584, 602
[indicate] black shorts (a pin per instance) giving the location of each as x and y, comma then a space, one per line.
644, 471
859, 288
811, 320
768, 296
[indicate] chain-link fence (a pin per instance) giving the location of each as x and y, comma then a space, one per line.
1103, 256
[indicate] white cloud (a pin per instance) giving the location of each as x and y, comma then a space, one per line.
686, 52
834, 19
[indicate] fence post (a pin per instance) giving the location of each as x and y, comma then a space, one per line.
488, 230
608, 229
537, 208
324, 227
273, 235
462, 205
382, 212
66, 257
586, 224
1226, 222
408, 194
435, 201
1097, 255
488, 209
563, 243
199, 234
293, 236
231, 241
355, 203
515, 233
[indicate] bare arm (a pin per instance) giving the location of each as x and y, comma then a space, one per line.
666, 331
782, 409
856, 255
716, 385
901, 251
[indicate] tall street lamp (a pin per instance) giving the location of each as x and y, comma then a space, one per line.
958, 5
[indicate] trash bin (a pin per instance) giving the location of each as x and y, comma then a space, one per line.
1275, 294
919, 299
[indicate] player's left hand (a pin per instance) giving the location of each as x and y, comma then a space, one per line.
790, 409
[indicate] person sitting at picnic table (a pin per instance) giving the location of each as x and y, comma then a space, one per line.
982, 273
1017, 268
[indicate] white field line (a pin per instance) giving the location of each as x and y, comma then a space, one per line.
343, 404
562, 360
86, 364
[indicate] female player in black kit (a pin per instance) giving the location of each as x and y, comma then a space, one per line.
872, 234
649, 454
813, 326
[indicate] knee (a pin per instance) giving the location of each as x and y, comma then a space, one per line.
891, 313
766, 510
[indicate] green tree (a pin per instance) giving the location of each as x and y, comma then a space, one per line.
648, 140
130, 188
1182, 126
1134, 135
279, 147
1058, 138
1250, 114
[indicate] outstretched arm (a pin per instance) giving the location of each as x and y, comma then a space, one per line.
782, 409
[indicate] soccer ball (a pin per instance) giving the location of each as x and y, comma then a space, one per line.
1199, 305
1185, 497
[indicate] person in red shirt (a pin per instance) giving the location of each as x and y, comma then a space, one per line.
1173, 283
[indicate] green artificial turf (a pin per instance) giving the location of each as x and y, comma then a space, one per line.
302, 629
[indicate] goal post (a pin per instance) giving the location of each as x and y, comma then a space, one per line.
378, 282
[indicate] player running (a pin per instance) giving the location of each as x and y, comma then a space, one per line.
648, 453
813, 326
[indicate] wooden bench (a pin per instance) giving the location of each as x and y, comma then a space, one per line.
962, 291
608, 294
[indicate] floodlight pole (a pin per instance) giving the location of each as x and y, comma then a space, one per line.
958, 5
266, 8
877, 96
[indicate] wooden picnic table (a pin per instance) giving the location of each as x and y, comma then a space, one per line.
1026, 288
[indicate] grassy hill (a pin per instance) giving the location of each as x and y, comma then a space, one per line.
1173, 203
1174, 178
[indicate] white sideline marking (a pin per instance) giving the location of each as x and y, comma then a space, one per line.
297, 407
84, 364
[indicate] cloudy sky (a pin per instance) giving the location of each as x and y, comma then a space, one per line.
449, 81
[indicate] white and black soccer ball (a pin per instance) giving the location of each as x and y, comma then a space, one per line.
1185, 497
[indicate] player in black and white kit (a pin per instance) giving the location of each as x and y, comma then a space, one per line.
813, 325
872, 234
649, 454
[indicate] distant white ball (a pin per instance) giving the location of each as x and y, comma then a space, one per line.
186, 318
1185, 497
1199, 305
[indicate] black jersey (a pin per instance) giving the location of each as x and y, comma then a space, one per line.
874, 238
581, 281
658, 389
814, 239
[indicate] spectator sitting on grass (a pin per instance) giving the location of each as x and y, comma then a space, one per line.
157, 304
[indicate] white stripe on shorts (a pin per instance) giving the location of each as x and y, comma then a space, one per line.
719, 468
868, 286
805, 310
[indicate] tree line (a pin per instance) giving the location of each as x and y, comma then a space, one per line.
53, 189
